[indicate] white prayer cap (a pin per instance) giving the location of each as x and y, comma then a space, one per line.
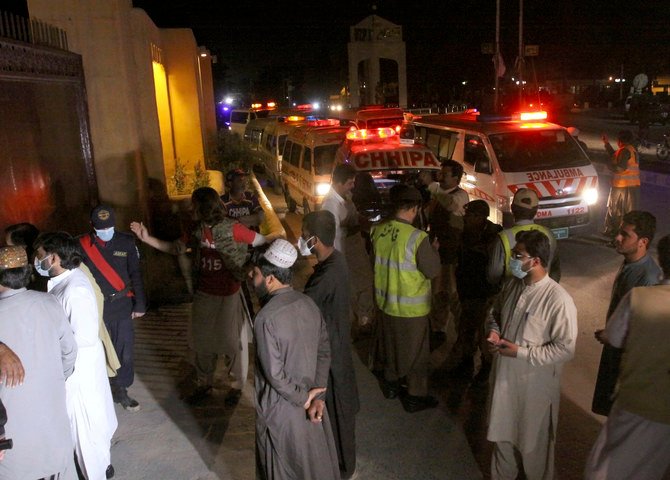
281, 253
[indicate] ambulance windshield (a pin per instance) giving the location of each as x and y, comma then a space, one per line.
537, 149
324, 157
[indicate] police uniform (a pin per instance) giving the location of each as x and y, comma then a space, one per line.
121, 253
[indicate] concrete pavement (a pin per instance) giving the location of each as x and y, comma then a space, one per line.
170, 440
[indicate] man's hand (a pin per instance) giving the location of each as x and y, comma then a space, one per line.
492, 341
135, 315
315, 410
601, 336
313, 393
11, 368
140, 230
435, 244
507, 348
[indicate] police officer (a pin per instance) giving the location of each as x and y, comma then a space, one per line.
114, 262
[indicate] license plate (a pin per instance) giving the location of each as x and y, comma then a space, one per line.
561, 233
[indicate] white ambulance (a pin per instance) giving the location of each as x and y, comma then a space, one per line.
307, 163
501, 155
383, 160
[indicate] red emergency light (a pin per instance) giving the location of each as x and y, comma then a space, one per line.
272, 104
304, 106
530, 116
365, 134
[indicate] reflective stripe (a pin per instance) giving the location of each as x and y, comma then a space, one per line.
402, 300
631, 176
388, 263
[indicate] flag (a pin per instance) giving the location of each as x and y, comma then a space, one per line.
499, 65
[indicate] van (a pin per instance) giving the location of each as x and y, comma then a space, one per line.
239, 119
382, 159
371, 117
501, 155
307, 163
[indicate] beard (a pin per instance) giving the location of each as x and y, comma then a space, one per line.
262, 293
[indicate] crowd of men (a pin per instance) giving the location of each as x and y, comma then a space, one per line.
435, 265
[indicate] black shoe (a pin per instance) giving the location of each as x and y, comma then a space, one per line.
413, 404
109, 473
120, 396
390, 389
233, 397
199, 394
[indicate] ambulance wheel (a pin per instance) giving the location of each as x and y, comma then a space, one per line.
305, 207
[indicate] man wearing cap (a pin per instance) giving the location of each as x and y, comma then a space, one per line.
625, 191
293, 433
35, 326
114, 261
474, 291
330, 288
404, 264
524, 208
240, 203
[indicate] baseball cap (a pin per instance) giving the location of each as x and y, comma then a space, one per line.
281, 253
525, 198
477, 207
102, 217
238, 172
13, 257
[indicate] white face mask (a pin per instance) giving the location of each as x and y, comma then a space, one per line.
516, 267
40, 270
106, 234
303, 247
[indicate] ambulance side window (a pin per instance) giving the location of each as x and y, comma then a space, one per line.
286, 151
296, 153
441, 142
475, 154
282, 142
307, 160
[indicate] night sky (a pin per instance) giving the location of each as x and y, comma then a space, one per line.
260, 44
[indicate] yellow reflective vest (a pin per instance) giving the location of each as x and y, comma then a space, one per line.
508, 238
401, 290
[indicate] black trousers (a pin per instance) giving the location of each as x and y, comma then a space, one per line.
117, 317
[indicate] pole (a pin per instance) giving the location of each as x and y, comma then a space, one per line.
496, 64
521, 60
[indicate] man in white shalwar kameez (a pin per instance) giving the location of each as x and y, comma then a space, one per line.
88, 395
533, 328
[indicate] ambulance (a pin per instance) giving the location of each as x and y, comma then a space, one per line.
503, 154
382, 160
307, 163
371, 117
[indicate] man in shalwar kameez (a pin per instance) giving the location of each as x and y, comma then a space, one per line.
88, 394
329, 287
533, 328
34, 325
293, 435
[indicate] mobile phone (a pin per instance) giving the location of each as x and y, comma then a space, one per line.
6, 444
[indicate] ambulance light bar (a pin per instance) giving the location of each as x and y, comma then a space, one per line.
295, 118
373, 133
256, 105
528, 116
523, 116
272, 104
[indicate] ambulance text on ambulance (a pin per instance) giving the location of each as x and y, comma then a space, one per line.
395, 158
554, 174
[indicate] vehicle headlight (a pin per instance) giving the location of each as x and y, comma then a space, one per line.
590, 196
322, 188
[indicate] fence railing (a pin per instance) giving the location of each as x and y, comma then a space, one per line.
31, 30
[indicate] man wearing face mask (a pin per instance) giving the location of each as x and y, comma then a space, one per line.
404, 263
114, 261
329, 287
532, 327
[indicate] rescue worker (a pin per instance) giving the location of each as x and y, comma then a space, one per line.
405, 263
240, 203
625, 191
524, 208
114, 261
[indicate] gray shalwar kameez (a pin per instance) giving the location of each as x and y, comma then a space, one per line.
292, 357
